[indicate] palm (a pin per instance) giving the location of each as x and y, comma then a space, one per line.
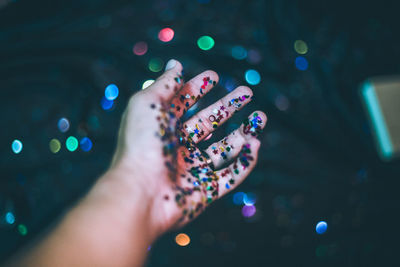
183, 178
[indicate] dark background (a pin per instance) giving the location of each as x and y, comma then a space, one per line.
317, 161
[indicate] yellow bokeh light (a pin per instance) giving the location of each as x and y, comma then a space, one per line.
54, 145
182, 239
300, 47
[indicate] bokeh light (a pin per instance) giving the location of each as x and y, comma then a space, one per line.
252, 77
239, 52
16, 146
282, 102
254, 56
238, 198
321, 227
301, 63
10, 218
166, 34
205, 42
300, 47
147, 84
22, 229
182, 239
156, 64
248, 211
106, 104
63, 125
54, 145
71, 143
86, 144
140, 48
111, 92
249, 199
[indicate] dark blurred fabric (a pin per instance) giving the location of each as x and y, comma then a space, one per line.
317, 159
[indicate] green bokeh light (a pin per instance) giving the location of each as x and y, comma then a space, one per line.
300, 47
22, 229
156, 64
54, 145
71, 143
205, 42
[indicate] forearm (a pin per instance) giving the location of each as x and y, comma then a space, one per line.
108, 227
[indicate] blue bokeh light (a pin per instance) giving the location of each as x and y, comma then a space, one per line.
239, 52
63, 124
111, 92
252, 77
10, 218
106, 104
238, 198
321, 227
249, 199
86, 144
16, 146
301, 63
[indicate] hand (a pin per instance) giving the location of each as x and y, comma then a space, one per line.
157, 154
158, 179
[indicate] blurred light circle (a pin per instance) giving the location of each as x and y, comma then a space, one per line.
254, 56
166, 34
249, 199
321, 227
140, 48
71, 143
239, 52
248, 211
22, 229
16, 146
205, 42
230, 84
300, 47
282, 102
252, 77
156, 64
111, 92
86, 144
54, 145
238, 198
182, 239
301, 63
147, 84
10, 218
63, 125
106, 104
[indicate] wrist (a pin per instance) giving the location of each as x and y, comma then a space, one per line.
120, 192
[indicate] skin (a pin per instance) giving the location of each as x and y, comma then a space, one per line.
134, 202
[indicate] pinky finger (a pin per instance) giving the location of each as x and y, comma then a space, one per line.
233, 175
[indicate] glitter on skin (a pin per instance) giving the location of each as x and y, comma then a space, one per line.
253, 126
200, 178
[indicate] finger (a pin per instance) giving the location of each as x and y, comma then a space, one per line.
229, 147
208, 119
193, 90
170, 82
231, 176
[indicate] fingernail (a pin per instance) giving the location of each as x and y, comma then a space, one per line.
171, 64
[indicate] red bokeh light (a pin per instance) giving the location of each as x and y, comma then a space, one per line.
140, 48
166, 35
